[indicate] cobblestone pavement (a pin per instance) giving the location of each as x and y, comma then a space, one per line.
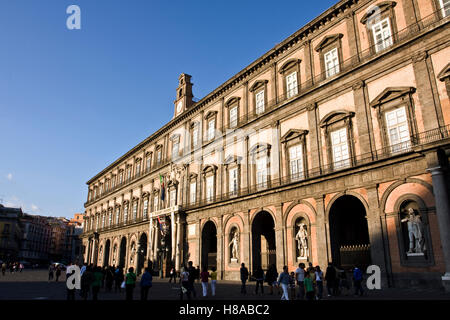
33, 285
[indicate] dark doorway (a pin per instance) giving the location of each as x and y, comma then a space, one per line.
349, 233
263, 241
106, 254
142, 253
209, 245
123, 252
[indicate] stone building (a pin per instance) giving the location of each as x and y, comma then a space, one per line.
331, 147
10, 233
35, 239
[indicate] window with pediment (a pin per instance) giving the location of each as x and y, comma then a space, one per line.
290, 72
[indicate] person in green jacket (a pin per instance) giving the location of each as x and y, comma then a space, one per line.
309, 287
130, 283
97, 283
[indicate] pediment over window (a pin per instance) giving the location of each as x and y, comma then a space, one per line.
193, 176
145, 194
175, 137
232, 101
377, 9
289, 64
258, 84
233, 159
155, 190
335, 116
445, 73
260, 147
158, 146
327, 40
209, 168
194, 124
210, 114
292, 134
391, 93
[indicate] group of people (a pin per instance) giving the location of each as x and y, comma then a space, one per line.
188, 276
13, 267
54, 271
94, 278
304, 283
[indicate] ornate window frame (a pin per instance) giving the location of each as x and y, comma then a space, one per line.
155, 193
208, 117
390, 99
444, 76
195, 125
145, 197
258, 86
373, 16
230, 104
175, 138
290, 66
148, 161
207, 172
193, 179
292, 138
260, 150
333, 121
158, 151
232, 162
328, 43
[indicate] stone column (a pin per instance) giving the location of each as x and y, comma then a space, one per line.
178, 244
150, 235
220, 253
378, 249
313, 136
352, 38
279, 237
246, 238
321, 236
173, 235
443, 215
309, 68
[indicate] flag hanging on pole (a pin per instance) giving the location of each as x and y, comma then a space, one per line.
162, 187
160, 226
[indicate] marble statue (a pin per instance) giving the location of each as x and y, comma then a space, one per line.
235, 245
302, 240
415, 232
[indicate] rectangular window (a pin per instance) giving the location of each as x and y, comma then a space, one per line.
382, 35
110, 218
397, 129
211, 128
148, 164
175, 149
121, 177
296, 162
331, 62
145, 212
117, 215
233, 180
129, 174
261, 172
103, 220
445, 7
113, 181
259, 102
233, 117
135, 210
155, 203
340, 149
125, 213
195, 136
193, 192
158, 157
291, 84
210, 188
173, 197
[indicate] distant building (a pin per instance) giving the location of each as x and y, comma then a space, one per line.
36, 239
10, 233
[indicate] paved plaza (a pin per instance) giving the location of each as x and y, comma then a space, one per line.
33, 285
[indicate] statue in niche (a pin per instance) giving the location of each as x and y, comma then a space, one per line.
415, 231
302, 241
234, 243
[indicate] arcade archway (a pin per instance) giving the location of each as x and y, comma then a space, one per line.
106, 253
142, 252
263, 241
209, 245
123, 252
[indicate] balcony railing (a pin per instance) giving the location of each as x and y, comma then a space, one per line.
361, 57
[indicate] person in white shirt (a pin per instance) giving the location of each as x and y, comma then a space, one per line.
300, 277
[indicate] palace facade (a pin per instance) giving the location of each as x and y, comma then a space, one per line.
332, 147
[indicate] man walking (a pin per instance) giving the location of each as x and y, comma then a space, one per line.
330, 278
244, 277
357, 280
146, 283
300, 276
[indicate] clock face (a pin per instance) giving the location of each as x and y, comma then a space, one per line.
179, 106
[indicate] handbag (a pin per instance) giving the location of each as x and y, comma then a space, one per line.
123, 285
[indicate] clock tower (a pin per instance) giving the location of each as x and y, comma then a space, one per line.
184, 94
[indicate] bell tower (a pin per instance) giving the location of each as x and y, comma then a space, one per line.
184, 94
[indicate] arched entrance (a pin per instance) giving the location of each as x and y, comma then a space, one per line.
123, 252
209, 245
142, 252
106, 253
263, 241
349, 233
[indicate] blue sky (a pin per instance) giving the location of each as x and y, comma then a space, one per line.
73, 101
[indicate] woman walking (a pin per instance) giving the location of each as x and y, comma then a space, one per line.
213, 276
204, 275
284, 282
309, 287
146, 283
130, 283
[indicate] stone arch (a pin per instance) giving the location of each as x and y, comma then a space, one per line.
209, 244
259, 210
296, 203
390, 190
345, 193
263, 242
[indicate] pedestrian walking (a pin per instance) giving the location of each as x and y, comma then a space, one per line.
244, 278
192, 276
283, 280
204, 275
271, 278
292, 285
50, 273
3, 268
259, 276
146, 283
109, 279
57, 273
185, 285
21, 267
197, 273
86, 281
213, 276
172, 275
130, 283
97, 282
319, 282
330, 278
300, 276
309, 287
357, 280
118, 279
